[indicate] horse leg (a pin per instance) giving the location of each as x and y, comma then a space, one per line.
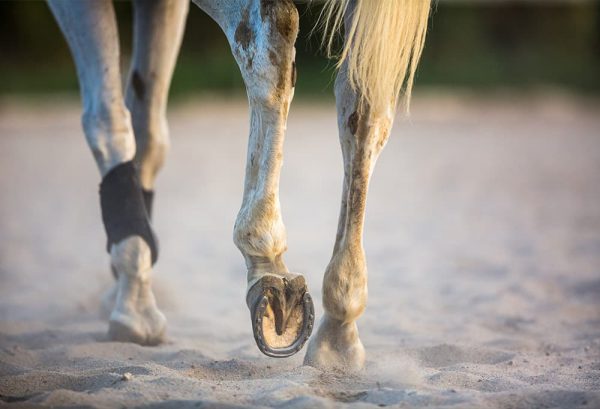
363, 135
262, 36
91, 32
158, 31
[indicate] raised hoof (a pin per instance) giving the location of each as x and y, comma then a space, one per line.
282, 314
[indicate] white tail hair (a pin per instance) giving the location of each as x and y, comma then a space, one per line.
384, 41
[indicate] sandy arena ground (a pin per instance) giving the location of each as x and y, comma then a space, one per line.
483, 240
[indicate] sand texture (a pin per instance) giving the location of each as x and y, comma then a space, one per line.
482, 237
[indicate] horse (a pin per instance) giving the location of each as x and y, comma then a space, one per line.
126, 130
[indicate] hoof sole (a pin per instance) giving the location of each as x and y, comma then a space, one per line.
282, 312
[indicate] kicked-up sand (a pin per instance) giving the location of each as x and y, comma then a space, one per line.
482, 237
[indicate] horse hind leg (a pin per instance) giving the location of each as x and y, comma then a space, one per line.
158, 31
262, 36
91, 32
337, 345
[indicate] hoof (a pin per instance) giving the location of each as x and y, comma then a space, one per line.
135, 316
336, 347
282, 314
143, 329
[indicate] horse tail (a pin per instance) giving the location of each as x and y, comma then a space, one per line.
384, 41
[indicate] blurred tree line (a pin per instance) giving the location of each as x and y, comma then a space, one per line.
479, 45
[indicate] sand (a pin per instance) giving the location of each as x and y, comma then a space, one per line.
482, 236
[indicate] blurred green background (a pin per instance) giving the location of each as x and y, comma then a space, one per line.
481, 45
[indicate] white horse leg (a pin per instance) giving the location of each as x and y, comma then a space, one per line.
91, 32
262, 36
336, 345
158, 31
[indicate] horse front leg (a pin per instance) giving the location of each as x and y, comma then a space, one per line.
91, 32
262, 36
158, 31
363, 134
